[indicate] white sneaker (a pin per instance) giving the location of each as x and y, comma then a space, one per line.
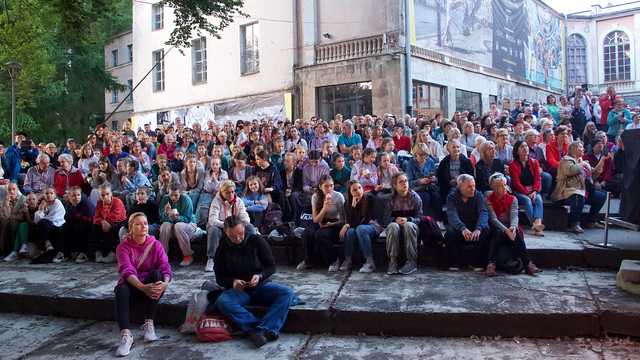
99, 257
59, 258
48, 246
11, 257
335, 266
149, 332
24, 250
109, 259
367, 268
302, 266
81, 258
209, 266
125, 345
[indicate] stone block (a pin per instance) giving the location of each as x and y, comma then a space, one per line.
630, 271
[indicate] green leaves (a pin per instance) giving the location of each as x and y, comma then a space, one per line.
192, 17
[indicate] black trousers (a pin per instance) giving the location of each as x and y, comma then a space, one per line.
318, 244
105, 242
128, 295
517, 246
77, 234
46, 231
456, 244
431, 203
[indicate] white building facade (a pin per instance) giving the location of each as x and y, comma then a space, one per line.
246, 73
602, 50
118, 56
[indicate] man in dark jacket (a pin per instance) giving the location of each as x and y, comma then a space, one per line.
243, 265
78, 224
468, 223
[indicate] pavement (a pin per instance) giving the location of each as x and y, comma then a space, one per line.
43, 338
428, 303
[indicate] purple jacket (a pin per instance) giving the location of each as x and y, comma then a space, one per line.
129, 252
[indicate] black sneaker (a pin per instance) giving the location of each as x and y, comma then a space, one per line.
257, 338
271, 336
409, 268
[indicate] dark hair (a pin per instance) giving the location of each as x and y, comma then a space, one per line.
349, 198
240, 156
394, 180
315, 155
263, 154
232, 221
319, 194
516, 146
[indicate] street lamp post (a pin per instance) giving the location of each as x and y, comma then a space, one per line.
13, 68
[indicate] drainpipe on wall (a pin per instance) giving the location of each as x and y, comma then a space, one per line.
296, 56
407, 59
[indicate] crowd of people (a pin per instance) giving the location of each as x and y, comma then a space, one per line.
335, 181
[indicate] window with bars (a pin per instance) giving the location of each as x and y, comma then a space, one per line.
617, 57
576, 60
129, 89
428, 99
468, 101
114, 57
158, 71
130, 52
157, 17
249, 48
199, 60
114, 96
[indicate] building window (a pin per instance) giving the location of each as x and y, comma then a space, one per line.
114, 57
114, 96
199, 60
345, 99
114, 125
617, 57
130, 52
162, 117
157, 20
468, 101
576, 60
249, 50
428, 99
158, 71
130, 89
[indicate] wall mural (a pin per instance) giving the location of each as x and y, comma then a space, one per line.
520, 37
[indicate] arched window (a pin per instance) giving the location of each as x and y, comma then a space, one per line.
577, 60
617, 57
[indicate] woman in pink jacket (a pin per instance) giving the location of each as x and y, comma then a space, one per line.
144, 276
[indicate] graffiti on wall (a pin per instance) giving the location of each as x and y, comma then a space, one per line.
519, 37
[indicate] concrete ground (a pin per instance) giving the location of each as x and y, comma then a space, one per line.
40, 337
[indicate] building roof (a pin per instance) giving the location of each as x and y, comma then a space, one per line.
598, 11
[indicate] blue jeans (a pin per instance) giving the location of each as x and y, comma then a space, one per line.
547, 181
534, 210
365, 234
277, 297
576, 202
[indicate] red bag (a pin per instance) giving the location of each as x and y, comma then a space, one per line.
213, 328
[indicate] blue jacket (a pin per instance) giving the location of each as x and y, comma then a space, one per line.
472, 215
414, 172
11, 163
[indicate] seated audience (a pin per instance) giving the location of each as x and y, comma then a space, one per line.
526, 181
176, 217
49, 220
454, 164
78, 224
109, 217
359, 227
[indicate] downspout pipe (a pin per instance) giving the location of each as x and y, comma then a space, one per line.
408, 79
566, 55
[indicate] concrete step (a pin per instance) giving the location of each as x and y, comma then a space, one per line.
428, 303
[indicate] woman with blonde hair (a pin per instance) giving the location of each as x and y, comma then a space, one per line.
145, 274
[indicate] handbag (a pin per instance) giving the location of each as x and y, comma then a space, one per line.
213, 328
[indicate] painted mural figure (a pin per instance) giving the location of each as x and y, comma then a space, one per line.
510, 36
546, 46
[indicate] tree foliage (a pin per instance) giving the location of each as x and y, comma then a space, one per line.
211, 16
60, 45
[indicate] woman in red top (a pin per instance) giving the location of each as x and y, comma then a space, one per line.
503, 217
400, 141
168, 148
557, 149
66, 175
526, 180
109, 217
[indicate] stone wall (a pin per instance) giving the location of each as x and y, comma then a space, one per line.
384, 72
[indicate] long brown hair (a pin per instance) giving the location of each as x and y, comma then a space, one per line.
319, 194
